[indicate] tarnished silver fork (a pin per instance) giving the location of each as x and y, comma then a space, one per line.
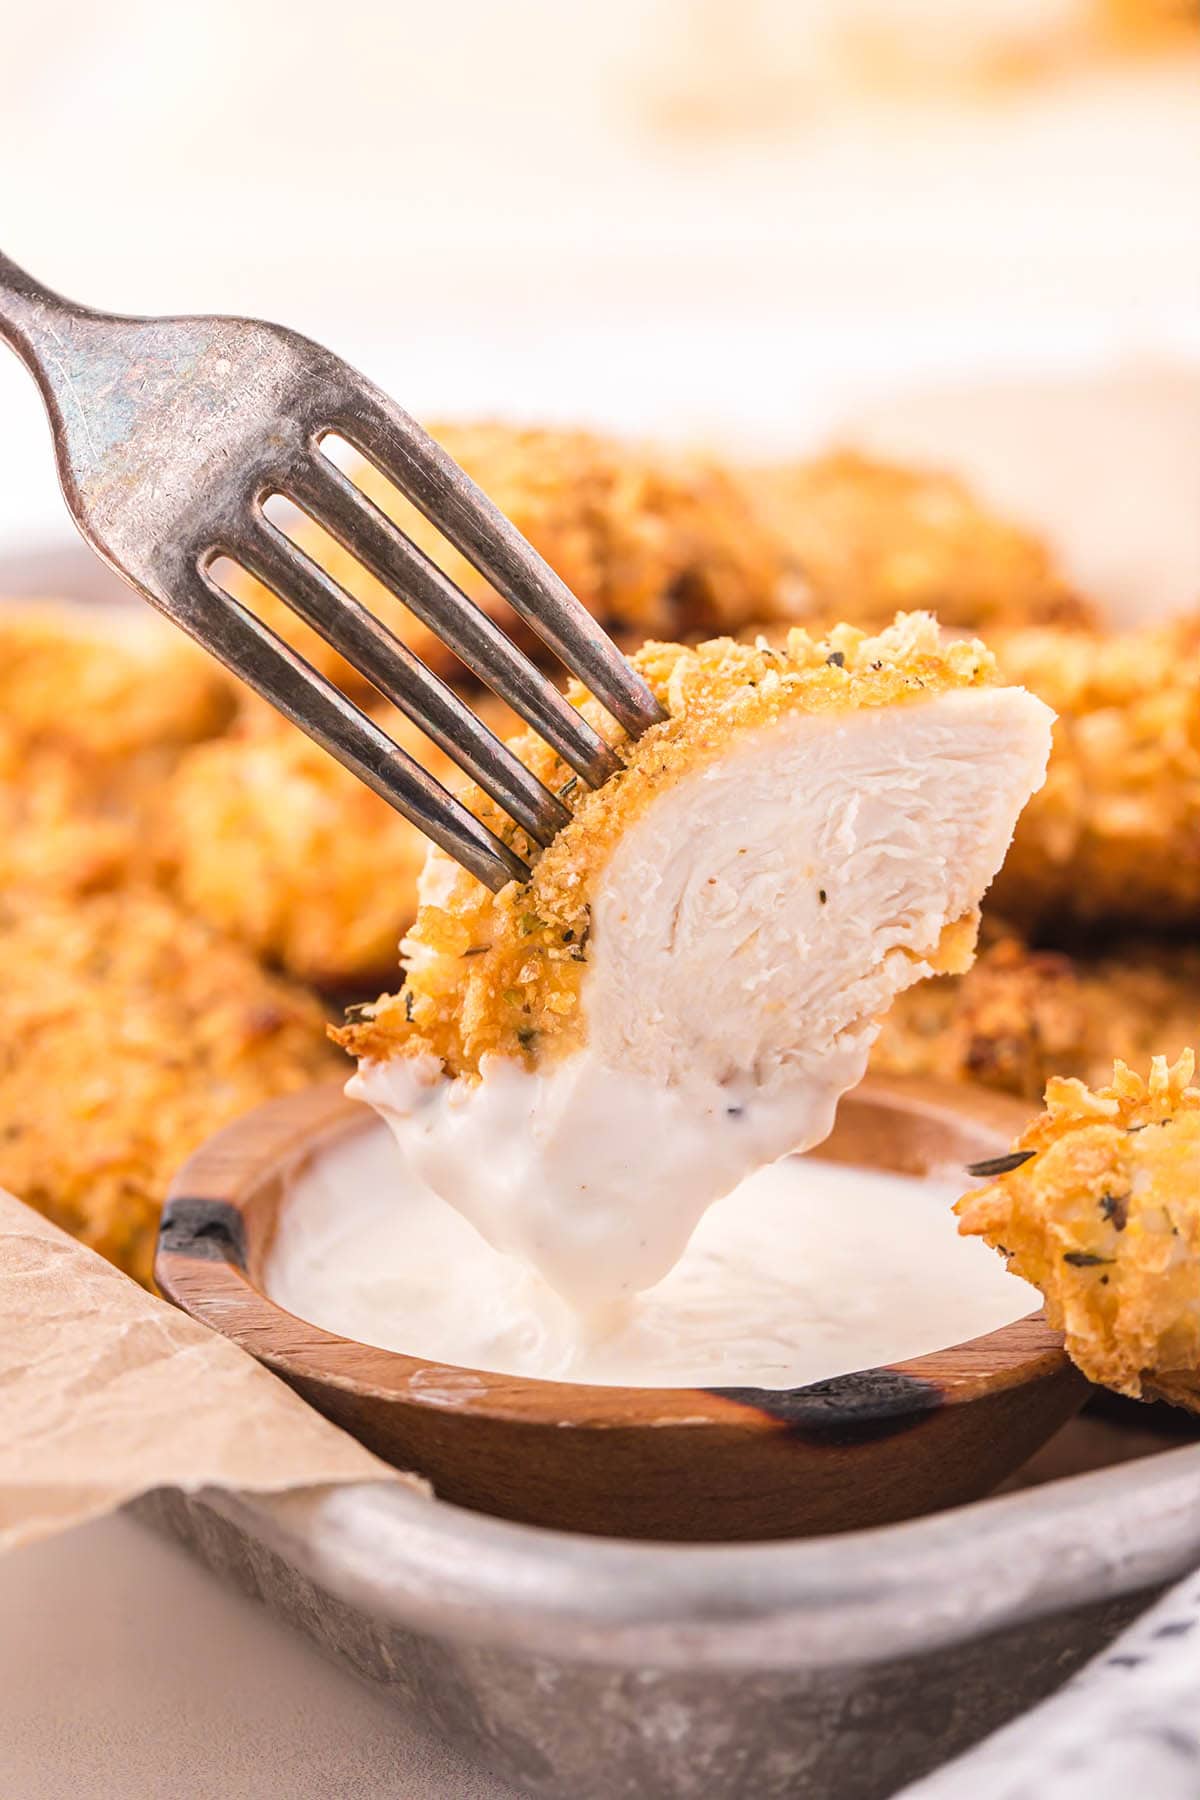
172, 434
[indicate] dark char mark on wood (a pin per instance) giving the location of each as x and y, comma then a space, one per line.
849, 1409
212, 1230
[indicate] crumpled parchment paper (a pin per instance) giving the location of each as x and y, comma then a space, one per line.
107, 1392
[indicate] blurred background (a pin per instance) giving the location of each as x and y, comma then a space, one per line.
738, 221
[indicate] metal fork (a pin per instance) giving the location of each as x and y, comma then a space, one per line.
170, 436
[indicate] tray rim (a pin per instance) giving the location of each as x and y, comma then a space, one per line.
420, 1564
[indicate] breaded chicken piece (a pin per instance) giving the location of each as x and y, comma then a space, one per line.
1020, 1016
104, 682
662, 544
272, 841
1080, 671
1013, 1019
128, 1033
524, 971
67, 828
1114, 834
1123, 775
873, 538
703, 951
1099, 1207
96, 705
652, 543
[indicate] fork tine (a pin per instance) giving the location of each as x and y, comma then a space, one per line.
385, 434
329, 497
400, 676
265, 663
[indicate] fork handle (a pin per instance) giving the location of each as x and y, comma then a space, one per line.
34, 319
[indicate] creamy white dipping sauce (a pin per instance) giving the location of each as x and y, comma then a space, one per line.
806, 1271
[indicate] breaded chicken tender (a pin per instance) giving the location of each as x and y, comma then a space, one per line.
1114, 834
703, 951
502, 973
873, 538
128, 1033
1020, 1016
67, 828
271, 840
1099, 1207
652, 543
659, 543
104, 682
96, 705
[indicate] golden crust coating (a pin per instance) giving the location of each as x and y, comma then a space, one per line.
652, 543
1013, 1019
104, 682
1101, 1210
96, 705
501, 974
1115, 832
271, 840
661, 544
128, 1033
1078, 671
66, 828
874, 537
1020, 1016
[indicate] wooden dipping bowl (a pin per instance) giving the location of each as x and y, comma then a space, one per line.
682, 1463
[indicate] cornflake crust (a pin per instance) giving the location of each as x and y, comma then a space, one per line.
1114, 835
130, 1032
1099, 1207
104, 682
96, 706
653, 543
501, 974
270, 839
658, 543
1020, 1016
67, 827
872, 537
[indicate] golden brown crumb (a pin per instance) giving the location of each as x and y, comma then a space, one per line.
1077, 671
1020, 1016
661, 544
653, 543
70, 828
1115, 832
104, 682
874, 537
274, 842
128, 1033
502, 973
1010, 1021
1100, 1209
96, 705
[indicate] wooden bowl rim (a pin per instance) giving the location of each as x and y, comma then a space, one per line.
201, 1266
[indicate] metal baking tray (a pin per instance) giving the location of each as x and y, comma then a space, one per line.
836, 1668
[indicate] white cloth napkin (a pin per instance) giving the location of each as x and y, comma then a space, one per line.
1127, 1727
